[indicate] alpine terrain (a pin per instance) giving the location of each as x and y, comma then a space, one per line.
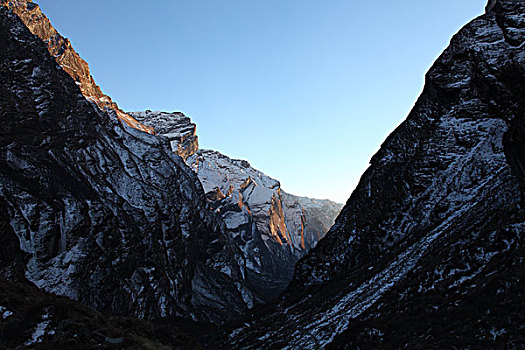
272, 228
428, 252
85, 199
100, 208
117, 231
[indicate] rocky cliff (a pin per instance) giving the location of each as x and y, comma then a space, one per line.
428, 252
98, 211
85, 195
272, 228
61, 50
176, 127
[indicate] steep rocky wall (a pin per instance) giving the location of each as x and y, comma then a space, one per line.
176, 127
273, 228
60, 48
103, 213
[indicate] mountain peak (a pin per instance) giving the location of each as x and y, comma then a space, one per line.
61, 49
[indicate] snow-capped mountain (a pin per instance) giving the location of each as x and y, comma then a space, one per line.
98, 211
278, 216
428, 252
272, 228
105, 213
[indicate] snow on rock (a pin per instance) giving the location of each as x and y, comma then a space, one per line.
101, 211
5, 313
39, 331
176, 127
428, 251
273, 228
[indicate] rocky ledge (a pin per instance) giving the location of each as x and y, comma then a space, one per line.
176, 127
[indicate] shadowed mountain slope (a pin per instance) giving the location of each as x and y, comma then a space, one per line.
428, 252
104, 214
272, 228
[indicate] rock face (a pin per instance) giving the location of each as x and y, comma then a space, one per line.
428, 252
176, 127
60, 48
108, 216
272, 228
97, 211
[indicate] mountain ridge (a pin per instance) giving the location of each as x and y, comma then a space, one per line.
272, 228
427, 252
60, 48
85, 196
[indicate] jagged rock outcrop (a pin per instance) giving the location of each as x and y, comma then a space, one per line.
60, 48
273, 210
317, 217
102, 213
176, 127
428, 252
272, 228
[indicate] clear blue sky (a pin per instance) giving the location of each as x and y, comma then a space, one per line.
306, 90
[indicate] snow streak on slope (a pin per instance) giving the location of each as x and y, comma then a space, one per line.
430, 239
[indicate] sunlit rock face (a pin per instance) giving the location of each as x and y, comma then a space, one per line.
272, 228
60, 48
102, 213
428, 252
176, 127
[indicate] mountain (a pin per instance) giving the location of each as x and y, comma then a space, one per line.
428, 252
96, 207
60, 48
96, 210
272, 228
